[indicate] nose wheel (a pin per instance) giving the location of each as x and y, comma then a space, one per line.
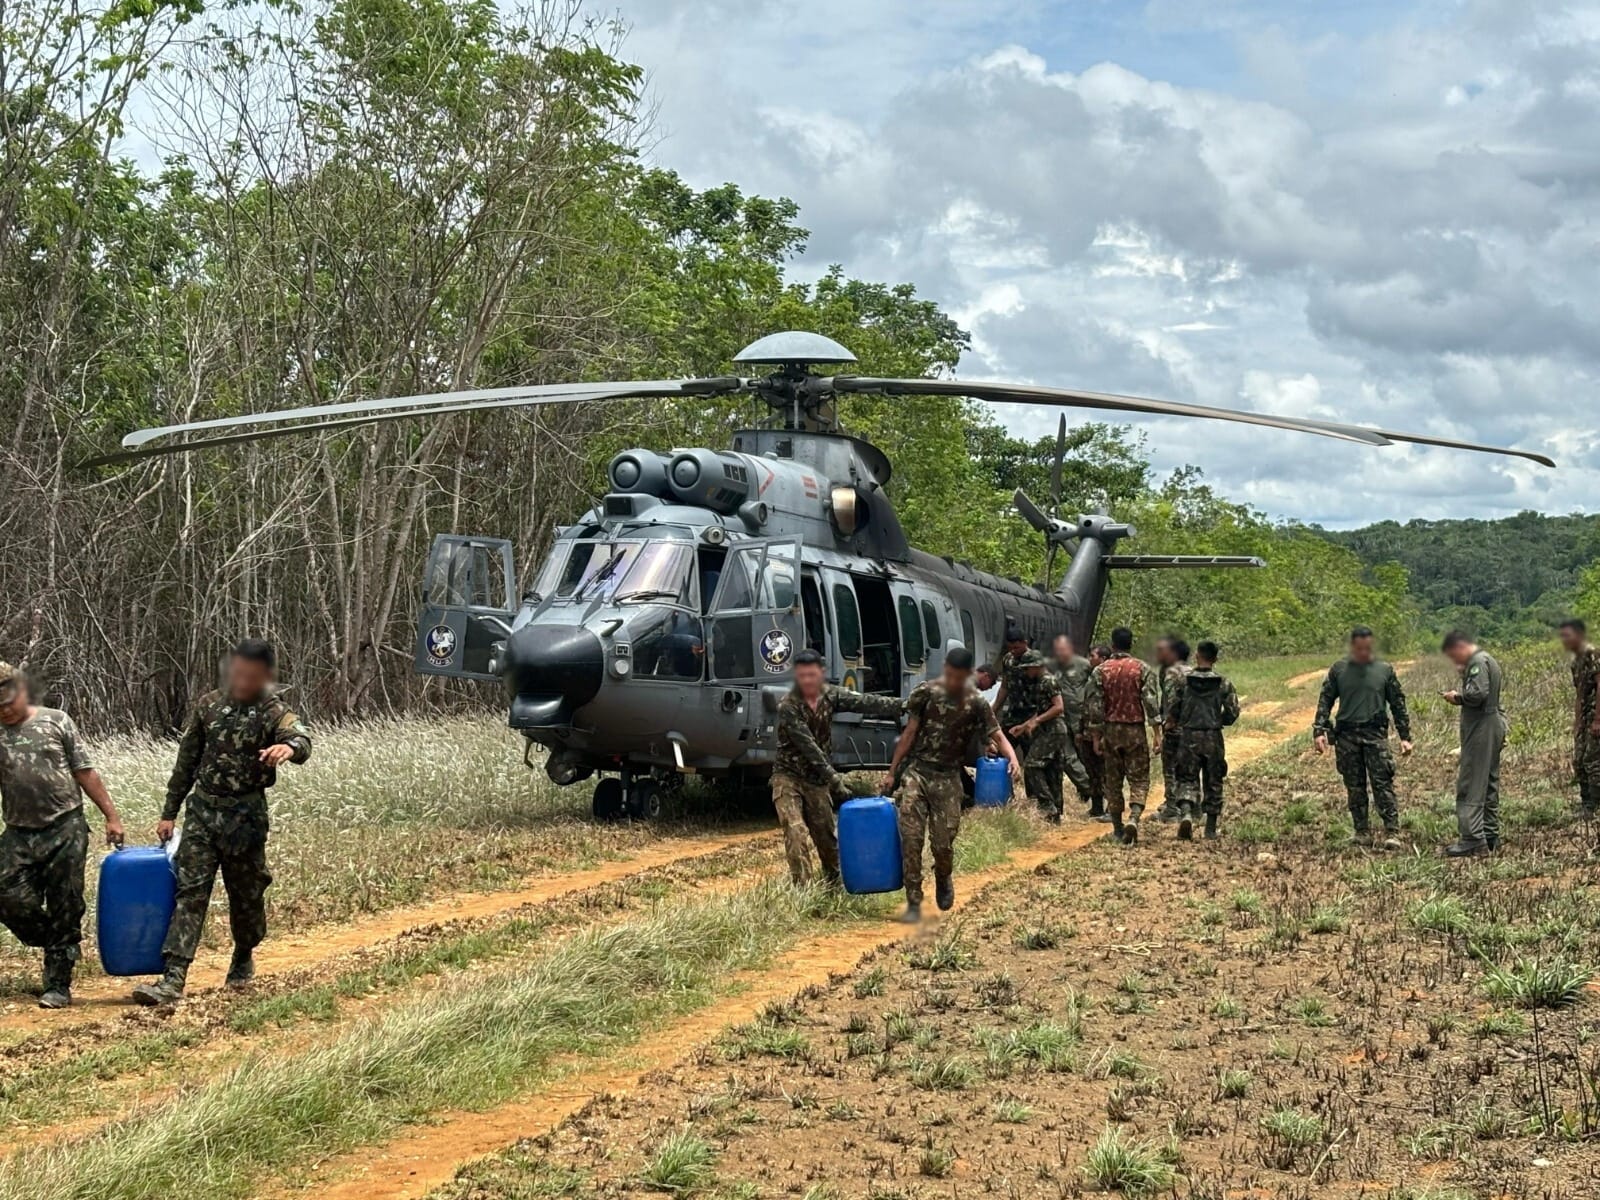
644, 800
638, 798
608, 803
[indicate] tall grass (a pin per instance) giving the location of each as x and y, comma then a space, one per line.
470, 1044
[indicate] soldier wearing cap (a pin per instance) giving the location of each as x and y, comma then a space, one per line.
1043, 732
44, 775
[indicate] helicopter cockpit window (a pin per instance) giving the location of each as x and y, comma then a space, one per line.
584, 559
659, 571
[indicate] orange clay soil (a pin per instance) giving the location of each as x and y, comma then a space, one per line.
423, 1158
95, 999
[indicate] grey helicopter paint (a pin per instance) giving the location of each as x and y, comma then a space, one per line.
658, 636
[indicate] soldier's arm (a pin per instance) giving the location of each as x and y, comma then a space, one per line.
88, 779
1323, 725
1475, 687
1094, 703
186, 768
795, 733
1174, 707
290, 731
844, 700
1230, 702
997, 737
1395, 694
1150, 694
1594, 682
908, 738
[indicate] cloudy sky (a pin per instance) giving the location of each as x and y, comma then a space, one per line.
1389, 215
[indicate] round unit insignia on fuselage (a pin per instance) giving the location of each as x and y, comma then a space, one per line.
777, 648
441, 644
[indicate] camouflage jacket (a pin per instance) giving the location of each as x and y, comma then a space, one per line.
1366, 694
1123, 691
37, 759
1042, 694
947, 725
1015, 681
1202, 699
1171, 678
219, 756
1074, 680
1585, 682
805, 734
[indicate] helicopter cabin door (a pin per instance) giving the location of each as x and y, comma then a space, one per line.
755, 622
466, 606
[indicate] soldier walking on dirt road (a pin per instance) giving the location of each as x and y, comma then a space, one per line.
1201, 705
946, 714
1483, 737
1094, 765
230, 754
1586, 713
44, 849
1366, 691
1124, 697
1072, 673
1172, 660
804, 782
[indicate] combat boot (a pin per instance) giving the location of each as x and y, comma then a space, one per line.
1097, 810
1130, 827
58, 978
1185, 825
1211, 827
944, 891
912, 915
1391, 837
1167, 813
1461, 849
241, 970
166, 990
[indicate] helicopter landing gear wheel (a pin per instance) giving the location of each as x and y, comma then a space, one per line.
645, 799
607, 805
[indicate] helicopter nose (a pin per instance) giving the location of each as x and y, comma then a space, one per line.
551, 672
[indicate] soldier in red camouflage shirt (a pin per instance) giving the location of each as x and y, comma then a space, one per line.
1125, 697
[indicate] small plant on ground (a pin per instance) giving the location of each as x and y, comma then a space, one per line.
943, 1074
1225, 1006
947, 952
1313, 1010
1536, 983
682, 1164
1233, 1084
936, 1162
1012, 1112
871, 984
1121, 1163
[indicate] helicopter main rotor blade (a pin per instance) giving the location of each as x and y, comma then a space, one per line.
1477, 447
445, 404
1032, 513
1022, 393
350, 408
1055, 467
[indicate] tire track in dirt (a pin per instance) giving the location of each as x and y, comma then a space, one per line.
426, 1157
107, 998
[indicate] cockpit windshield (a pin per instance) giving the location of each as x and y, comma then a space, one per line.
599, 570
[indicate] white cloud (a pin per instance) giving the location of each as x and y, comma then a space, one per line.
1395, 223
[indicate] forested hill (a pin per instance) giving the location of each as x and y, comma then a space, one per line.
1503, 580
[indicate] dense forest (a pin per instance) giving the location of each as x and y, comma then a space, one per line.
1504, 580
362, 197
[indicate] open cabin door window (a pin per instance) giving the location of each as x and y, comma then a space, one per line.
755, 619
466, 606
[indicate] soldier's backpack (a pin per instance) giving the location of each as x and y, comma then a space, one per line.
1122, 685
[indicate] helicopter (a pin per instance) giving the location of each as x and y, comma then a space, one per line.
657, 638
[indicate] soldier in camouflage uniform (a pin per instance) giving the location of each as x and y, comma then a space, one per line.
1011, 701
1366, 691
1483, 737
232, 748
1172, 662
1094, 765
1586, 713
1200, 706
944, 714
44, 775
804, 782
1124, 697
1072, 673
1043, 733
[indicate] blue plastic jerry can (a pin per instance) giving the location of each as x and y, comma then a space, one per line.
993, 786
138, 893
869, 846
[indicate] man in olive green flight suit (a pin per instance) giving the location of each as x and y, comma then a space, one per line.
230, 754
1483, 737
804, 781
1366, 691
1585, 714
44, 775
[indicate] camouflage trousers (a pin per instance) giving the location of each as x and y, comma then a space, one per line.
1170, 749
806, 812
1046, 761
929, 808
1199, 767
1586, 764
1478, 780
41, 884
231, 838
1127, 760
1366, 764
1093, 768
